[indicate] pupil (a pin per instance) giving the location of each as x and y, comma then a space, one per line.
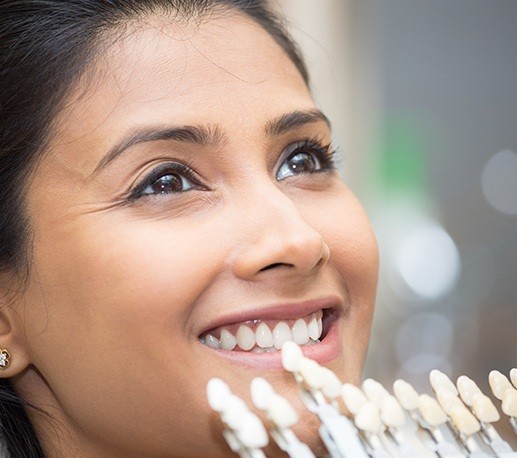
302, 163
167, 183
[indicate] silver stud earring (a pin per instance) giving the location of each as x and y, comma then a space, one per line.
5, 359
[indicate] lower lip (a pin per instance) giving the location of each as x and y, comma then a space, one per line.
323, 352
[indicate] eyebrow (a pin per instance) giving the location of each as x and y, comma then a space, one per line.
207, 135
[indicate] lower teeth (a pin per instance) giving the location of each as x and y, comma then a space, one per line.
273, 349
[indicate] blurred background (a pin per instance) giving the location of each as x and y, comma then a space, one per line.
423, 99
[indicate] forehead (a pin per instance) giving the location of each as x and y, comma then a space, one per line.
161, 70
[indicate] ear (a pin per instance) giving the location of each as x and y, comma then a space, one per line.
13, 349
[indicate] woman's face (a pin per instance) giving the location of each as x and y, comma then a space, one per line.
189, 189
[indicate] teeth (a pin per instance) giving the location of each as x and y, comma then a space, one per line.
368, 419
211, 341
484, 409
392, 414
468, 389
263, 350
263, 336
300, 332
499, 384
281, 412
439, 380
314, 329
331, 384
312, 374
291, 356
513, 376
261, 392
217, 392
406, 394
281, 334
448, 400
431, 411
464, 420
353, 398
509, 404
228, 341
374, 391
245, 338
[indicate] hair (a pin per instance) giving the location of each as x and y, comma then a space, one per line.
45, 47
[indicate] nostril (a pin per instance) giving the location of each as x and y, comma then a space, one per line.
274, 265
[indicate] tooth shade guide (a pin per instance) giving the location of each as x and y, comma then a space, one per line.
499, 383
374, 391
372, 419
509, 403
261, 392
484, 409
353, 398
467, 389
405, 394
513, 377
439, 380
292, 356
217, 393
392, 414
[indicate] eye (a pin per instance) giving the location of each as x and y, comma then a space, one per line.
166, 179
304, 158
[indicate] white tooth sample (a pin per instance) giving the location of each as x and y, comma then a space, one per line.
448, 400
281, 412
311, 373
374, 391
211, 341
484, 409
431, 411
499, 384
314, 330
406, 394
300, 332
467, 389
251, 431
392, 414
263, 336
245, 338
509, 404
513, 376
331, 384
281, 334
291, 356
234, 409
353, 398
464, 420
228, 341
217, 393
261, 392
319, 321
440, 380
368, 418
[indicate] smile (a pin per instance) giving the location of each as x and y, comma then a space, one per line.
265, 336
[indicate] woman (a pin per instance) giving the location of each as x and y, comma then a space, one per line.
169, 212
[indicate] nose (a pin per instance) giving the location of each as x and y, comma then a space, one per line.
276, 238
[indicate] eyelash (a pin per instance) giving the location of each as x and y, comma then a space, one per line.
324, 153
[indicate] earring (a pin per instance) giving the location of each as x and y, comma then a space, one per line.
5, 359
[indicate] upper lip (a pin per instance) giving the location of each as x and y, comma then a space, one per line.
284, 311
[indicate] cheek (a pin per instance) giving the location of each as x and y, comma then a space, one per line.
111, 283
347, 231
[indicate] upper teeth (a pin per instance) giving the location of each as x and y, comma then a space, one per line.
263, 338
